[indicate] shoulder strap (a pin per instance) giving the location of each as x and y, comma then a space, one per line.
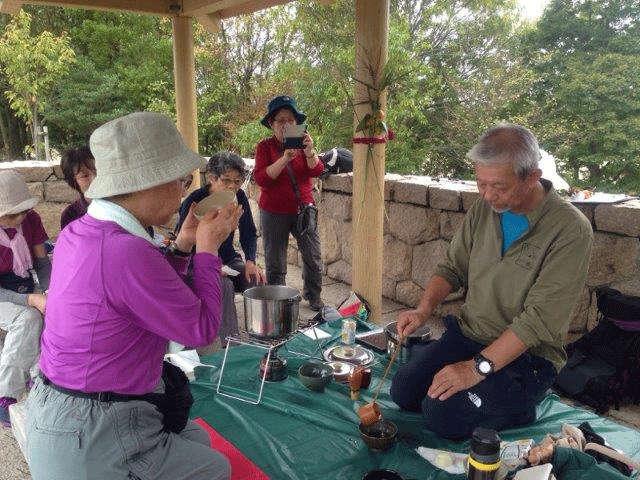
294, 182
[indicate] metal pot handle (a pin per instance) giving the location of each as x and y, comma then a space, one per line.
295, 298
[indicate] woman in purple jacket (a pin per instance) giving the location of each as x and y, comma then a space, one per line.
115, 300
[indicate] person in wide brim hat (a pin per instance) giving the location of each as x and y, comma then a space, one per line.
14, 194
116, 299
136, 152
284, 170
22, 303
278, 103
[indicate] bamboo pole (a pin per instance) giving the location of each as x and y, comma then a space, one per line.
372, 26
184, 71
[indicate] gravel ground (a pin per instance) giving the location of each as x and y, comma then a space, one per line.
12, 463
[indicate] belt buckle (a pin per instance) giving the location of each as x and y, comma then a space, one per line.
105, 396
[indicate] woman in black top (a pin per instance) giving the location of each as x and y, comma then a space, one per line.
227, 171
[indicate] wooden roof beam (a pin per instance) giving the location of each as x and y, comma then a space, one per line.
196, 8
10, 7
246, 8
210, 22
153, 7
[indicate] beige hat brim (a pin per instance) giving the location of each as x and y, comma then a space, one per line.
21, 207
144, 176
137, 152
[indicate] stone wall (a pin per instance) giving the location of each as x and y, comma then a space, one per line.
421, 216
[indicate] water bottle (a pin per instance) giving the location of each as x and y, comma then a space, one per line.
348, 335
484, 457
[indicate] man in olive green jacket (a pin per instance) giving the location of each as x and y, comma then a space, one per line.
522, 253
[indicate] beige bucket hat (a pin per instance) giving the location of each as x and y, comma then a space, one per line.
136, 152
14, 193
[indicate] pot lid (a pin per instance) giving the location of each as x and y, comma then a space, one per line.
341, 370
422, 333
354, 354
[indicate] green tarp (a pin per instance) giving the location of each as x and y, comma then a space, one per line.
294, 433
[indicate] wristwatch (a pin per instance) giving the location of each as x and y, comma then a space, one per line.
484, 366
174, 250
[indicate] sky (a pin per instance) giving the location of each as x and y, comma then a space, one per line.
532, 8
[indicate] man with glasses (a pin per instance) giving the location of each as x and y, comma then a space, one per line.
522, 255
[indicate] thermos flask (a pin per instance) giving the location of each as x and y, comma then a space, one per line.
484, 457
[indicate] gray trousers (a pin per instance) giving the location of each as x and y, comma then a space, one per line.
79, 438
21, 347
229, 320
275, 236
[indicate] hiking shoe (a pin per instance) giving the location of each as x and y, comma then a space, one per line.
4, 410
316, 305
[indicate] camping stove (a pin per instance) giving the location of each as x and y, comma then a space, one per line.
272, 367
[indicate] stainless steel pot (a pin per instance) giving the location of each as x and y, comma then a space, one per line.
422, 335
271, 311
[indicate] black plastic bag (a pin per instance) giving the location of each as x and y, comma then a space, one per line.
176, 401
307, 220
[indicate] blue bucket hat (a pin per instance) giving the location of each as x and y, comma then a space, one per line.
283, 101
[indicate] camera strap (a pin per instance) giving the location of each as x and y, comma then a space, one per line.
294, 184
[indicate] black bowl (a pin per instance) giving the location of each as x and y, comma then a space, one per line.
382, 475
379, 435
315, 375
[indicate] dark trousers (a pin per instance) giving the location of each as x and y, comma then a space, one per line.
275, 235
503, 400
240, 283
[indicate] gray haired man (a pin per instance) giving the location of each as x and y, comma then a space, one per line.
522, 254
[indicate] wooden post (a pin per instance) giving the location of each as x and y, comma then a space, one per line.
372, 26
184, 72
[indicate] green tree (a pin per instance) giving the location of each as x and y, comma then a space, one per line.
454, 66
124, 64
585, 102
237, 73
32, 64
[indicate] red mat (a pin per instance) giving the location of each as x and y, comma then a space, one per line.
241, 467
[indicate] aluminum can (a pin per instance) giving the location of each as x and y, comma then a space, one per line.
348, 331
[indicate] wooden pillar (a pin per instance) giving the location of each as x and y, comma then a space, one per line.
184, 73
372, 25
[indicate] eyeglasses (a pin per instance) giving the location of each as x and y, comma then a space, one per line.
280, 121
230, 181
186, 181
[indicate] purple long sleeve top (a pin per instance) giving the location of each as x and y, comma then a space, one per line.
114, 301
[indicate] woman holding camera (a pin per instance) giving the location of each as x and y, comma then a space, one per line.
284, 176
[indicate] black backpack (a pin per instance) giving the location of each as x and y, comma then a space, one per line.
336, 160
604, 364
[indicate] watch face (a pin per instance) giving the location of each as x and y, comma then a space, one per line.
484, 367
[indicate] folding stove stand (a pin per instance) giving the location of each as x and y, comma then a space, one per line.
243, 338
